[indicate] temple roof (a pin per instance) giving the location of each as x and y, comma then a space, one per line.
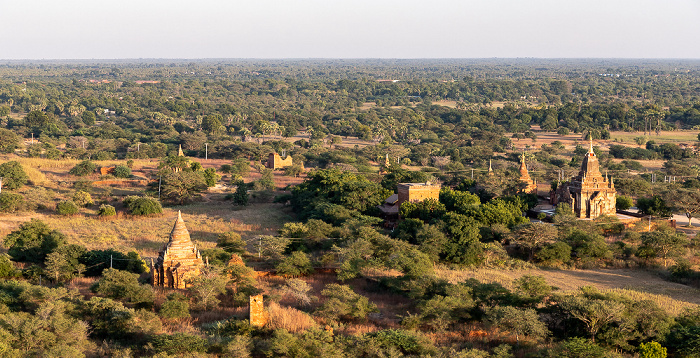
180, 153
590, 165
179, 234
524, 175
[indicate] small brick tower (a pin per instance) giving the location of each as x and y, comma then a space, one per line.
256, 311
593, 194
179, 261
180, 153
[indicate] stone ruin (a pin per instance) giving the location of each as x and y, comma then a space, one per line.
256, 310
274, 161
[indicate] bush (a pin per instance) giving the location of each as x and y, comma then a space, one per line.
297, 264
11, 202
178, 343
210, 177
231, 242
557, 252
13, 175
96, 261
124, 286
623, 202
176, 306
33, 241
122, 171
82, 198
7, 268
83, 168
106, 210
67, 207
142, 205
343, 303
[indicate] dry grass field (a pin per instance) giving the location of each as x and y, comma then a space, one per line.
637, 284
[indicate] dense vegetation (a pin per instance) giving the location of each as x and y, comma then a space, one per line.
336, 264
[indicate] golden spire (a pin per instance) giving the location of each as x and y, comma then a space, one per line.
180, 153
590, 136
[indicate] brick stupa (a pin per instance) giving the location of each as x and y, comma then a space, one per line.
529, 186
179, 261
592, 193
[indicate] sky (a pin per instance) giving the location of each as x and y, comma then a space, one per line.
132, 29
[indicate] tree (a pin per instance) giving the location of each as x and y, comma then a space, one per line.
294, 265
594, 313
83, 168
655, 206
212, 123
687, 201
142, 205
175, 307
652, 350
33, 241
124, 286
206, 287
9, 141
122, 171
82, 198
533, 235
343, 303
58, 267
11, 202
521, 322
13, 175
67, 207
181, 187
211, 177
175, 163
106, 210
231, 242
663, 243
271, 246
623, 202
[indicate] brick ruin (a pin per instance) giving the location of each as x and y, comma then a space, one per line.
179, 260
274, 161
256, 310
416, 192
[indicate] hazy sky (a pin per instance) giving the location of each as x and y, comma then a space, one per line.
108, 29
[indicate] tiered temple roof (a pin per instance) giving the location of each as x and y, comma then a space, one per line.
593, 194
179, 260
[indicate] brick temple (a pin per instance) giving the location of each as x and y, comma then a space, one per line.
592, 193
529, 185
179, 260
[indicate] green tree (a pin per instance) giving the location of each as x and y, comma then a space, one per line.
106, 210
124, 286
211, 177
212, 123
142, 205
82, 198
652, 350
343, 303
294, 265
11, 202
181, 187
13, 175
662, 243
67, 207
206, 287
532, 236
122, 171
175, 307
623, 202
687, 201
655, 206
521, 322
231, 242
33, 241
9, 141
240, 196
7, 268
594, 313
83, 168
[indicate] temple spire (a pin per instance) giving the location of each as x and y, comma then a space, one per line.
180, 153
590, 136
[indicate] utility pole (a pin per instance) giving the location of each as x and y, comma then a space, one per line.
206, 151
160, 180
0, 184
32, 137
138, 146
110, 261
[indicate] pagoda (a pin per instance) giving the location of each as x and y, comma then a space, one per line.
179, 261
592, 194
529, 185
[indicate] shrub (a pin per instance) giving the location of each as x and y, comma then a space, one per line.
124, 286
96, 261
67, 207
176, 306
7, 269
106, 210
556, 252
231, 242
9, 141
33, 241
142, 205
296, 264
343, 303
216, 256
83, 168
210, 177
122, 171
13, 175
82, 198
178, 343
623, 202
11, 202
